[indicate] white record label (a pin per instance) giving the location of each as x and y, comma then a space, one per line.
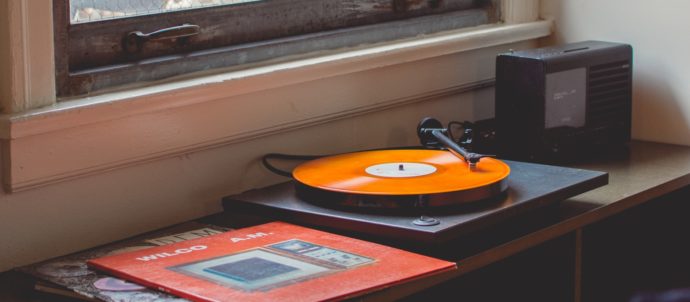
399, 170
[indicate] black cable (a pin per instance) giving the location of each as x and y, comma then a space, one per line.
270, 167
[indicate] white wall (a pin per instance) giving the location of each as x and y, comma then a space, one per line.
72, 215
657, 31
81, 213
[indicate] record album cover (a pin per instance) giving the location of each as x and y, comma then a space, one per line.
276, 261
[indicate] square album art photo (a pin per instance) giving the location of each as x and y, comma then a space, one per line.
253, 270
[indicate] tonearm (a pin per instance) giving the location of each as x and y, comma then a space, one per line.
432, 134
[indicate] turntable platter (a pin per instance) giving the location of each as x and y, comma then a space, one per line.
402, 176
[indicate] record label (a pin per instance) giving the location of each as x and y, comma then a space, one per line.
400, 169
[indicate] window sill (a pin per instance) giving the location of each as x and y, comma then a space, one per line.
78, 137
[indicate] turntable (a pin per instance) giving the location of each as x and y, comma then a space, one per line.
429, 194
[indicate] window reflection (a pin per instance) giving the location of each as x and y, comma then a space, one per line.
96, 10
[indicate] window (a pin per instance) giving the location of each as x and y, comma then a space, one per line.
110, 44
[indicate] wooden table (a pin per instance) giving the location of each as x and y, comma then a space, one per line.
574, 246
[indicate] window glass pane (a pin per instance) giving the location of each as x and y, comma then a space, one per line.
97, 10
104, 44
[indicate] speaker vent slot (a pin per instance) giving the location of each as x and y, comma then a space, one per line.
608, 93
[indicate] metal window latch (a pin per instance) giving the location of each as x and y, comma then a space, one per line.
134, 41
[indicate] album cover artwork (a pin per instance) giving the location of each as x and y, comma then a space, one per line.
276, 261
70, 276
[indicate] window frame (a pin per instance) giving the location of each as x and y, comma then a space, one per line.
75, 80
47, 142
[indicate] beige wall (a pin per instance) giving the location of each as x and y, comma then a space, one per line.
81, 213
72, 215
657, 31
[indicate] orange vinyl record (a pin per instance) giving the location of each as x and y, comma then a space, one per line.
400, 178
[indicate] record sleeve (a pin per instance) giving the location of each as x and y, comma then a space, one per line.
276, 261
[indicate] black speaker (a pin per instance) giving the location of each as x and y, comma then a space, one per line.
563, 103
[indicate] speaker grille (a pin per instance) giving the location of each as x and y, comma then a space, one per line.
608, 93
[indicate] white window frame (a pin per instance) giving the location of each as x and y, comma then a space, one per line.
44, 141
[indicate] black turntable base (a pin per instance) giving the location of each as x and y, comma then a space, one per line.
530, 187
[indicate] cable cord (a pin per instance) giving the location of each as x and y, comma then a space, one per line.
265, 160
